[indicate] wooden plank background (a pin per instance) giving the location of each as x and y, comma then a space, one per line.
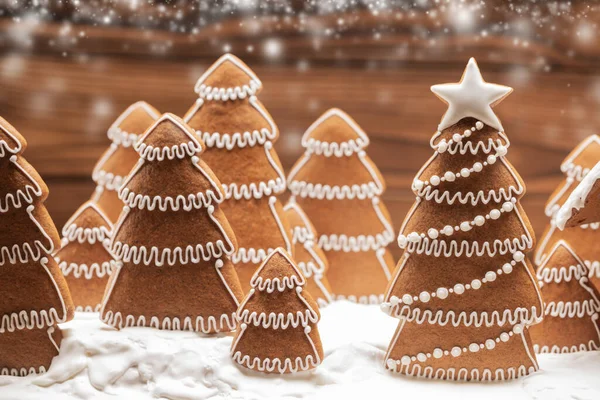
63, 101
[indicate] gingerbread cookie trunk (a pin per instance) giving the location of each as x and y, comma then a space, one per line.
336, 179
118, 160
310, 258
84, 258
278, 320
172, 241
35, 297
572, 305
463, 289
576, 224
239, 135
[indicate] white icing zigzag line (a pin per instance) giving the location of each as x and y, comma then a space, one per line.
572, 309
151, 153
71, 232
89, 309
20, 197
184, 255
590, 346
22, 372
107, 179
277, 283
5, 147
185, 202
257, 191
279, 320
320, 191
328, 149
230, 141
577, 171
30, 319
231, 93
226, 322
277, 365
24, 251
563, 274
117, 135
94, 270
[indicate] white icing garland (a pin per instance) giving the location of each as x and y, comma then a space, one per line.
336, 149
230, 141
231, 93
183, 255
20, 197
22, 253
164, 203
94, 270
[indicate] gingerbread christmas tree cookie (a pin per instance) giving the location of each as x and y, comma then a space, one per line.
463, 289
572, 305
172, 241
84, 258
278, 320
582, 231
239, 134
118, 160
338, 187
35, 297
310, 258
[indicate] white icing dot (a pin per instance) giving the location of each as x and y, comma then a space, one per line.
477, 167
490, 344
433, 233
402, 240
442, 293
391, 363
508, 206
414, 237
518, 256
474, 347
479, 220
421, 357
465, 172
479, 125
442, 147
448, 230
438, 353
491, 159
504, 336
418, 184
475, 284
456, 351
456, 137
501, 151
518, 329
405, 360
449, 176
307, 329
424, 297
465, 226
407, 299
467, 132
507, 268
490, 276
459, 288
435, 180
394, 300
495, 214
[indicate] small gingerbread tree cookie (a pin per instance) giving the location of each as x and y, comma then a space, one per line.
572, 305
239, 134
463, 289
582, 231
172, 241
84, 258
35, 297
118, 160
278, 320
338, 187
310, 258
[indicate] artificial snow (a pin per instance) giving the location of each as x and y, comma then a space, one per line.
98, 362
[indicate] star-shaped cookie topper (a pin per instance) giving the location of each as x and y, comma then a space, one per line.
471, 97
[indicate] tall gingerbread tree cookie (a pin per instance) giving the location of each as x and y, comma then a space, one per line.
582, 237
35, 297
463, 290
572, 304
84, 257
118, 160
172, 241
278, 320
310, 258
239, 135
338, 187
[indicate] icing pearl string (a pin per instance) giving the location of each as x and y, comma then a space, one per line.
459, 288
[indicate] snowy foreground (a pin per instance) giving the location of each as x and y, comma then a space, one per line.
138, 363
